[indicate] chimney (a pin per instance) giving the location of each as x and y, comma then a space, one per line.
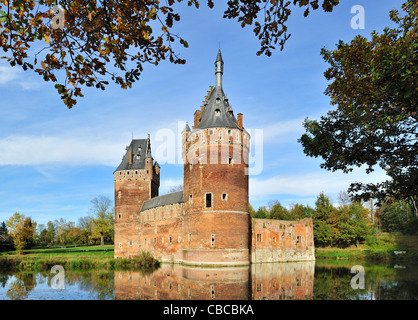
239, 120
196, 118
130, 156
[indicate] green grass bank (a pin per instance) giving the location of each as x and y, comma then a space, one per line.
384, 247
74, 258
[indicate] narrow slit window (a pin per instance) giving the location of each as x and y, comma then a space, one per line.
208, 200
224, 196
212, 240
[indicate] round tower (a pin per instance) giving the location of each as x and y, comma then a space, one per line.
215, 151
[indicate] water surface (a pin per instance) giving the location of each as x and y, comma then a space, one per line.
270, 281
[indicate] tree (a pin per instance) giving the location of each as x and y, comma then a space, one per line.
279, 212
21, 229
261, 213
91, 42
375, 88
74, 235
62, 228
3, 230
51, 232
103, 221
43, 238
85, 224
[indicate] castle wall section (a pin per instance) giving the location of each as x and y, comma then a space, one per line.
281, 241
160, 232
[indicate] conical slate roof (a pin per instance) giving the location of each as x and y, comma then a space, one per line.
217, 112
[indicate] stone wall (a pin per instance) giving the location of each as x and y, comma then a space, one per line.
280, 241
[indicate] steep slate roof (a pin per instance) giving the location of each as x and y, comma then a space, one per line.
166, 199
217, 112
139, 147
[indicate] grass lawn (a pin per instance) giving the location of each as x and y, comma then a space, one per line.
383, 246
83, 257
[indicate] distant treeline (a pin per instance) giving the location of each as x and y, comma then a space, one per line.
23, 232
350, 223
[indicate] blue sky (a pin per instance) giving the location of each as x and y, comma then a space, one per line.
53, 161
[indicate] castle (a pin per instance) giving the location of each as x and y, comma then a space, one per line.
208, 222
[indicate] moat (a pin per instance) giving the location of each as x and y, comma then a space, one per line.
270, 281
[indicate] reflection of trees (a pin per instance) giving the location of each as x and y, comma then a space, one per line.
99, 283
3, 279
381, 283
19, 288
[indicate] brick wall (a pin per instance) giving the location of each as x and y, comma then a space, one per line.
278, 240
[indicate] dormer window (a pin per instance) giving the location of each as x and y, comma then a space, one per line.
217, 112
218, 100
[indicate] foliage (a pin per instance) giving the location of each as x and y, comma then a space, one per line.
3, 230
98, 41
21, 229
398, 216
103, 221
375, 88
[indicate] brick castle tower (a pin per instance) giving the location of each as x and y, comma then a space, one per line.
137, 179
215, 155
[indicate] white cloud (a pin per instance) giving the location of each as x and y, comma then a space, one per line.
15, 75
311, 184
289, 130
8, 74
30, 150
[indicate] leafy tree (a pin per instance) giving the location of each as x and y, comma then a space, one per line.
398, 216
62, 228
323, 207
299, 211
103, 221
374, 84
21, 229
323, 213
262, 213
43, 238
103, 40
3, 230
74, 235
85, 224
51, 232
323, 233
279, 212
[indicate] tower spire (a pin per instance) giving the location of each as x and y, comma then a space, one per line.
219, 68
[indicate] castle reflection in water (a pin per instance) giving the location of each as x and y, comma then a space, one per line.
270, 281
